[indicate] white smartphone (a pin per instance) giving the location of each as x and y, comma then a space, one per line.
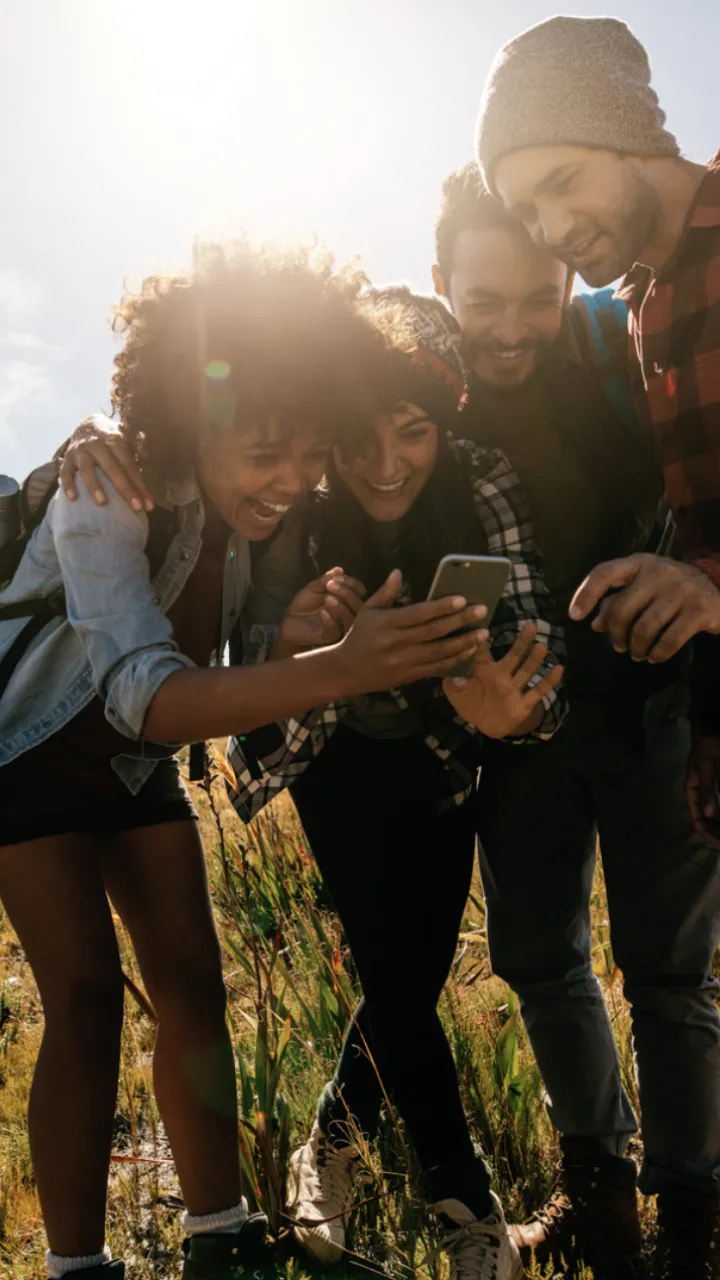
480, 579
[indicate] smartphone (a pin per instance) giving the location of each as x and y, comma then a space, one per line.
480, 579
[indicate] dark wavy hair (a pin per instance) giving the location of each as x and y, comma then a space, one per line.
443, 519
466, 205
250, 337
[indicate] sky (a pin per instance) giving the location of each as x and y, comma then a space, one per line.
128, 127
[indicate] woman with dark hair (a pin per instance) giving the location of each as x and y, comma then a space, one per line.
383, 783
107, 629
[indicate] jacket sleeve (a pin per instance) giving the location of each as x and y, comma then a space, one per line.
110, 603
503, 510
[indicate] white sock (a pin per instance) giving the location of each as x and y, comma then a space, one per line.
226, 1222
58, 1266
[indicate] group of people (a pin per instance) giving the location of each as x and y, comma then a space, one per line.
293, 455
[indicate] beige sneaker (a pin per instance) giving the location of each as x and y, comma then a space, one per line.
320, 1188
478, 1249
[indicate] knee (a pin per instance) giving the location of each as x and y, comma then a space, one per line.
542, 988
86, 1009
682, 999
189, 987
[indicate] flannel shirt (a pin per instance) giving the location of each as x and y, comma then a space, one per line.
272, 758
675, 328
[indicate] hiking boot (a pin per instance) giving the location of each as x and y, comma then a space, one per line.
226, 1255
478, 1248
688, 1238
320, 1188
591, 1218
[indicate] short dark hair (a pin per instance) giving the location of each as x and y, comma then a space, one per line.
467, 205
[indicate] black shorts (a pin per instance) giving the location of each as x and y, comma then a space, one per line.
28, 811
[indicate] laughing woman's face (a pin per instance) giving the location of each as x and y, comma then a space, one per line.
395, 464
254, 478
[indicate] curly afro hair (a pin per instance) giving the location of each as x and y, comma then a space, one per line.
257, 338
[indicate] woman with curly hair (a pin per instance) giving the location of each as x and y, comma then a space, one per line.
384, 783
231, 382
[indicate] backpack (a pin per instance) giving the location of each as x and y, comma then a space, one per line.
36, 493
605, 318
33, 501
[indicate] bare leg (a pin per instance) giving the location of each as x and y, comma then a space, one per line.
54, 895
157, 881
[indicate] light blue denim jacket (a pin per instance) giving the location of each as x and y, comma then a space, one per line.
116, 641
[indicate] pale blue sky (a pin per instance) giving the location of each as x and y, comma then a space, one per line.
126, 126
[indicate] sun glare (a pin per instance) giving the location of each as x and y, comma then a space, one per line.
238, 108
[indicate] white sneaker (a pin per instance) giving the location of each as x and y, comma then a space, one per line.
479, 1249
320, 1188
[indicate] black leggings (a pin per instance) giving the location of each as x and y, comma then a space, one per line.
399, 875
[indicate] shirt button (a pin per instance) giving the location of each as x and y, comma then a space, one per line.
156, 600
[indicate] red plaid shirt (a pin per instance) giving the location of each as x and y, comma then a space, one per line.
675, 324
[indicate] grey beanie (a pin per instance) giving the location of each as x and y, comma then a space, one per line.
576, 81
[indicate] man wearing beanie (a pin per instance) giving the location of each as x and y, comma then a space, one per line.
572, 140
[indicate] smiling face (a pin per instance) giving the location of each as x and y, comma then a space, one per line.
253, 478
594, 209
508, 298
395, 464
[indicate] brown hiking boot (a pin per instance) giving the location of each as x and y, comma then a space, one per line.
591, 1218
688, 1239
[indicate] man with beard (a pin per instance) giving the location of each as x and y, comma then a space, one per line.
541, 389
571, 138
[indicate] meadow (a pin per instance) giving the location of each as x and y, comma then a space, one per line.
291, 990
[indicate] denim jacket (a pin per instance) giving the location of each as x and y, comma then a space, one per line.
116, 640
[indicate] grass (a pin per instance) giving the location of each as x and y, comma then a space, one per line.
291, 991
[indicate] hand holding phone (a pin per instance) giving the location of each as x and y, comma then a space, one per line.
480, 579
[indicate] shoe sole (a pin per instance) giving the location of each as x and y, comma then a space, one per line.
314, 1245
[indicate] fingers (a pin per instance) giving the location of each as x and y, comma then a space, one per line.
346, 592
627, 618
465, 618
520, 649
453, 648
341, 616
440, 665
604, 577
389, 591
544, 686
673, 639
113, 458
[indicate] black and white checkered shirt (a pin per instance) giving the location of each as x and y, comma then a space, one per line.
270, 759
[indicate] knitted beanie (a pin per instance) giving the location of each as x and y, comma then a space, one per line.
575, 81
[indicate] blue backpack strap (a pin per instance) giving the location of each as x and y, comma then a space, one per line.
606, 317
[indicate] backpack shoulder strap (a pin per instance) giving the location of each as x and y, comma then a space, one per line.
604, 319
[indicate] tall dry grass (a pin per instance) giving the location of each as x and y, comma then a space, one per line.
291, 992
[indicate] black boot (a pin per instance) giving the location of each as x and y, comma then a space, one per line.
215, 1255
688, 1240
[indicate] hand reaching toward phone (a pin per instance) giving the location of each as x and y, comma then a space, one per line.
386, 648
98, 443
496, 698
321, 614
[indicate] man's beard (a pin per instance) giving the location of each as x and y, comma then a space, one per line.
630, 232
472, 348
